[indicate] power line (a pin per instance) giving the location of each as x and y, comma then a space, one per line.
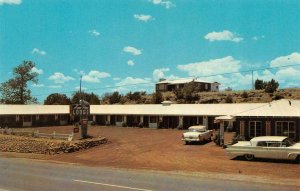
149, 83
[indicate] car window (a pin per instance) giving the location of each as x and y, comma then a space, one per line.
287, 142
274, 144
262, 144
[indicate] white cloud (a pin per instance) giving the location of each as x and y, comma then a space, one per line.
258, 37
132, 50
142, 17
39, 71
130, 63
116, 78
160, 73
93, 32
38, 85
55, 86
210, 67
164, 3
134, 84
60, 78
94, 76
82, 88
79, 72
225, 35
10, 2
291, 59
133, 81
37, 51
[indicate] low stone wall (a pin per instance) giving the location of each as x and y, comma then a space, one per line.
11, 143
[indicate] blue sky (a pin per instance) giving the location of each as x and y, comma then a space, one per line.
117, 43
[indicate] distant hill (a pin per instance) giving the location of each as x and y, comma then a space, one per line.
246, 96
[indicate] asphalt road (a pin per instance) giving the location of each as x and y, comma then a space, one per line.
24, 174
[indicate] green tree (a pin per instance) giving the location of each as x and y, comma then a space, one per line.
57, 99
92, 98
157, 97
271, 86
259, 84
136, 96
15, 90
115, 98
189, 92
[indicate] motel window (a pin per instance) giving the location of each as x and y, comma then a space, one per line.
27, 118
10, 119
119, 118
153, 119
63, 117
285, 128
43, 118
255, 128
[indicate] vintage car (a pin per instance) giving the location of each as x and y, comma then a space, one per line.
273, 147
197, 134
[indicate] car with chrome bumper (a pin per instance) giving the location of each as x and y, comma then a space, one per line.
271, 147
198, 133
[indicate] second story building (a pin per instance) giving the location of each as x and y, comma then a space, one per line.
172, 85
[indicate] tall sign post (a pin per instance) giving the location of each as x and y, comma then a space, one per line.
82, 110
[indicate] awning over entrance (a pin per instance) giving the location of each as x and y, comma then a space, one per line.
224, 118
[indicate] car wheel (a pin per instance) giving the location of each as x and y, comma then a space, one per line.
298, 159
249, 157
187, 142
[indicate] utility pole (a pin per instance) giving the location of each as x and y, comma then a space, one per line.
252, 80
80, 96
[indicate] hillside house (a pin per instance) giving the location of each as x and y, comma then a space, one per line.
172, 85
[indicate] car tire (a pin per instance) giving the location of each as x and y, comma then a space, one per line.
187, 142
249, 157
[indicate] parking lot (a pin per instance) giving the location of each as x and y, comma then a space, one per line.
162, 149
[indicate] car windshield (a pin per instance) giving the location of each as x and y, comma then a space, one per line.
287, 142
196, 130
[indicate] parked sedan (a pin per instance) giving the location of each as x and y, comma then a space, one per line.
197, 134
273, 147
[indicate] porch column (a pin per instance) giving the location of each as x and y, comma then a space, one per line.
125, 119
180, 125
197, 120
222, 133
108, 120
94, 117
141, 119
205, 123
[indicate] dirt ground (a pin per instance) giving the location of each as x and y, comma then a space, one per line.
163, 150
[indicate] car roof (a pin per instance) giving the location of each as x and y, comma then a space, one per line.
268, 138
198, 127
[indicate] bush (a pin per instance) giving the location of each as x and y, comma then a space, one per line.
229, 99
245, 94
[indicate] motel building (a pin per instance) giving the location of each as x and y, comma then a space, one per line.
281, 118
